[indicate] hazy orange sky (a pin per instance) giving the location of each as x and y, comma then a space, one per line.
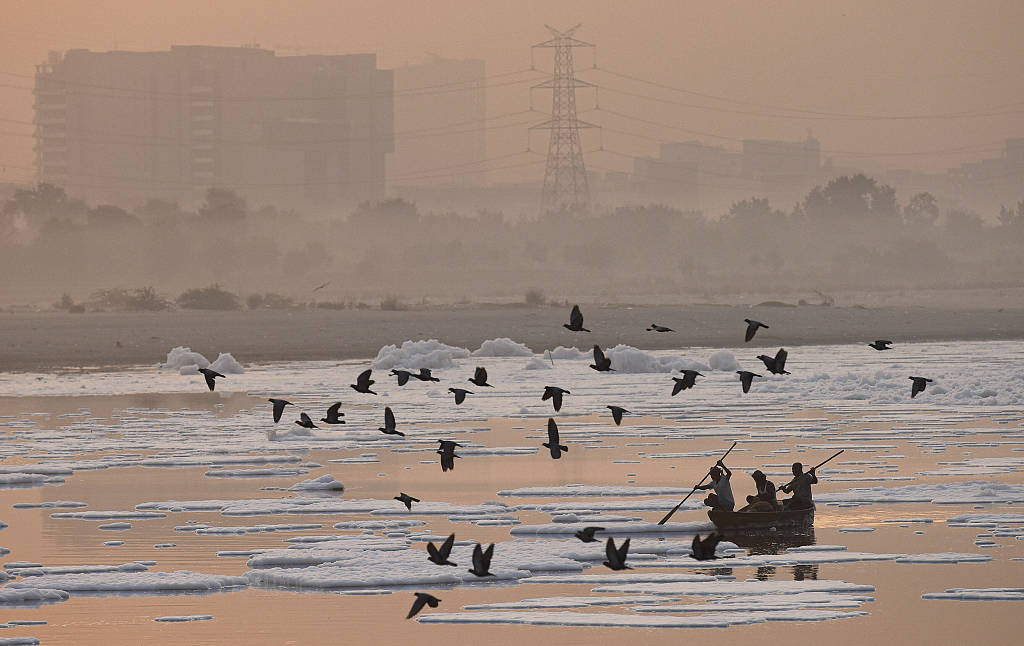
920, 59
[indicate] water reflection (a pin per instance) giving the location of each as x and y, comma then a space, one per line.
774, 542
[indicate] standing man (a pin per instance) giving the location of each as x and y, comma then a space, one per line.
720, 481
800, 487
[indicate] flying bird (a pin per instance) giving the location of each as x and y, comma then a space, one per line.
403, 376
333, 416
363, 382
389, 423
752, 326
601, 362
304, 421
617, 412
746, 377
704, 549
881, 344
406, 500
439, 556
321, 286
424, 375
616, 557
460, 394
422, 599
777, 364
447, 452
688, 380
553, 441
554, 393
210, 375
659, 328
587, 534
482, 560
575, 323
479, 377
918, 386
279, 405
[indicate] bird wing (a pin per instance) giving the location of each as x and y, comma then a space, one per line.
746, 378
623, 550
278, 409
209, 380
617, 415
548, 393
488, 555
305, 418
478, 559
460, 395
751, 329
780, 359
610, 552
432, 551
389, 418
446, 547
481, 375
364, 378
680, 385
403, 377
552, 431
332, 412
417, 606
556, 399
598, 356
576, 317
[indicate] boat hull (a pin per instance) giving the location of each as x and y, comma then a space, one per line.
741, 520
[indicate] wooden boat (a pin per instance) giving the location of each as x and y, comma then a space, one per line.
741, 520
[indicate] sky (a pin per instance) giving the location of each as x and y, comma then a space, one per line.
916, 84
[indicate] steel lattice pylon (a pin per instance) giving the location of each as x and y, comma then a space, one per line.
565, 178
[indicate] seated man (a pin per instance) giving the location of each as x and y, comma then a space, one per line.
722, 497
765, 499
800, 487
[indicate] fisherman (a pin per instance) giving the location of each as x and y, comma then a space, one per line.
722, 498
765, 499
800, 487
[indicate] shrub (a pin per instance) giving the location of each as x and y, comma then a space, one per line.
535, 297
208, 298
65, 302
391, 304
141, 299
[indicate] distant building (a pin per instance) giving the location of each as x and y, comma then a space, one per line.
774, 160
440, 113
296, 131
987, 184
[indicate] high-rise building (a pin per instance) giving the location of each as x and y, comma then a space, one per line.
440, 113
297, 131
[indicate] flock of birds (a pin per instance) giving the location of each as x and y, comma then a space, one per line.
702, 548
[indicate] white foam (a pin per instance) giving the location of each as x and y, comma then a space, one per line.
977, 594
502, 347
323, 483
28, 596
182, 357
565, 619
226, 364
183, 618
413, 355
177, 581
723, 361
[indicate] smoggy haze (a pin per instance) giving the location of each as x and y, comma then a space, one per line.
866, 58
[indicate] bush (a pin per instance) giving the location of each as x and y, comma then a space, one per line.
65, 302
330, 305
391, 304
208, 298
141, 299
535, 297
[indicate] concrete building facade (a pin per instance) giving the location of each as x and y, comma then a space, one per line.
307, 132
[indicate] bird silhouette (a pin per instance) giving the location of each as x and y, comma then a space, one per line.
659, 328
422, 599
587, 534
704, 549
479, 377
363, 382
880, 344
460, 394
424, 375
552, 443
554, 393
482, 560
601, 362
389, 423
777, 364
752, 326
279, 405
406, 500
617, 412
439, 556
616, 557
403, 376
210, 375
447, 452
686, 382
746, 377
918, 386
333, 416
304, 421
447, 445
575, 323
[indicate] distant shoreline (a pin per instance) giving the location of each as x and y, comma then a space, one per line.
53, 340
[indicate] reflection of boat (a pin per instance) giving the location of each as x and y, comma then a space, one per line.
744, 520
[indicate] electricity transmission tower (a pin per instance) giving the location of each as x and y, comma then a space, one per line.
565, 178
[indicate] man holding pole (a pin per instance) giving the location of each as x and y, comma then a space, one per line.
722, 498
800, 487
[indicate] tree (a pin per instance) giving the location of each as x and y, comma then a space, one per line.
921, 210
223, 205
108, 216
963, 223
851, 198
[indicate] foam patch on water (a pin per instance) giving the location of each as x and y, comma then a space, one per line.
977, 594
502, 347
29, 596
153, 582
611, 620
413, 355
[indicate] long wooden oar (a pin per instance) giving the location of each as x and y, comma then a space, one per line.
817, 466
676, 508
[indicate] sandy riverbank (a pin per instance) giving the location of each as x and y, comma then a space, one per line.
51, 340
